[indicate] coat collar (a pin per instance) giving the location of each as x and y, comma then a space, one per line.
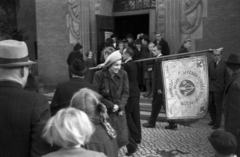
10, 84
235, 75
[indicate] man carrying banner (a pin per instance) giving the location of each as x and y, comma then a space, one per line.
218, 79
232, 99
157, 101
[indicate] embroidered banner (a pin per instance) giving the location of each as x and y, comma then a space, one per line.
186, 87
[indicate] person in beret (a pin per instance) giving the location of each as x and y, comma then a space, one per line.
218, 80
224, 143
112, 84
65, 90
232, 99
23, 114
185, 46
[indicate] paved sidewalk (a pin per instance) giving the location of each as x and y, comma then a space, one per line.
184, 142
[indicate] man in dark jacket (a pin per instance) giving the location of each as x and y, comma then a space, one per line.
157, 101
132, 107
218, 79
160, 41
232, 99
65, 90
23, 114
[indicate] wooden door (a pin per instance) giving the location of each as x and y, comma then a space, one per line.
104, 24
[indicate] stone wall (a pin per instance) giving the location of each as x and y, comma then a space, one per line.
26, 19
52, 41
221, 28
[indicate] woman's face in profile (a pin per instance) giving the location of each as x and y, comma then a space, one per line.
187, 44
115, 67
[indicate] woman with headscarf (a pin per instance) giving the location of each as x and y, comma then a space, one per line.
112, 84
104, 137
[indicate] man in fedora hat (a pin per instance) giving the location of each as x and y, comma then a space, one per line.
23, 114
232, 99
218, 79
65, 90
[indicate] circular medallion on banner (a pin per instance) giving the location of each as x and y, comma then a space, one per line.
187, 87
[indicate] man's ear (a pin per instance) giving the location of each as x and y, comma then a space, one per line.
22, 72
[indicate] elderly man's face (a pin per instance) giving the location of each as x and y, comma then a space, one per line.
158, 37
217, 56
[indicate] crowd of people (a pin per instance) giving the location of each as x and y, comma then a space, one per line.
95, 113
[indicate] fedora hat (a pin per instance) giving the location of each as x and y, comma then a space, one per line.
14, 54
233, 59
145, 37
78, 67
113, 57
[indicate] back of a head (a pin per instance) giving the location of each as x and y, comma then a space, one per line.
87, 100
223, 142
69, 127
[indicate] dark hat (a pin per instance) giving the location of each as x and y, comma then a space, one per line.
138, 41
233, 59
78, 67
113, 36
129, 36
223, 142
109, 42
77, 46
14, 54
145, 37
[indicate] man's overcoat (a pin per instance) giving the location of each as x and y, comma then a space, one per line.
232, 107
23, 116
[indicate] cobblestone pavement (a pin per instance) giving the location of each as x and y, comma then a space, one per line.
186, 141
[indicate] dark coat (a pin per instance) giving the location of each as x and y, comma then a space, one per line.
138, 55
74, 55
101, 142
164, 45
23, 116
65, 91
218, 77
182, 50
114, 92
232, 107
131, 69
90, 73
75, 152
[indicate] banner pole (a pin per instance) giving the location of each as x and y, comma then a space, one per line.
165, 57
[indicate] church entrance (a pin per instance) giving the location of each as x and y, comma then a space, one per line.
131, 24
